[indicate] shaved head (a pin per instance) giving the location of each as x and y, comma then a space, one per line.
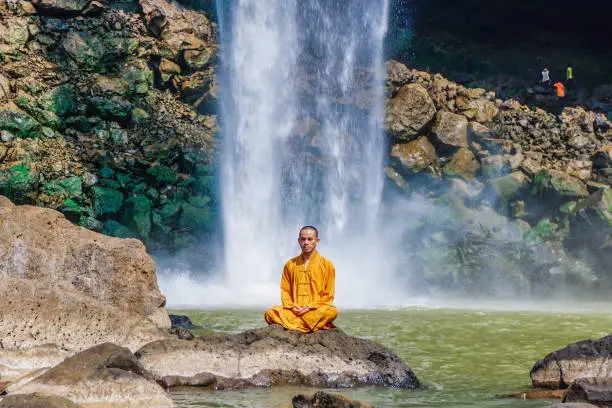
309, 227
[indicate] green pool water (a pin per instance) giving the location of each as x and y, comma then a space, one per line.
464, 358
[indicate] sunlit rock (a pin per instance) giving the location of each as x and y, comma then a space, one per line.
275, 356
587, 358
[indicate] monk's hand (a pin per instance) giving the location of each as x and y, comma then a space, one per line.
300, 310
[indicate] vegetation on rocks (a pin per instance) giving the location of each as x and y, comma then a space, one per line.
97, 117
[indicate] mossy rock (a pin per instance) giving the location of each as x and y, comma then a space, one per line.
61, 100
71, 187
543, 231
18, 183
98, 53
140, 115
46, 118
19, 124
139, 79
116, 229
162, 175
113, 108
138, 214
195, 219
71, 209
106, 200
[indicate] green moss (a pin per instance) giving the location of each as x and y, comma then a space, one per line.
106, 200
195, 219
19, 124
61, 100
162, 175
18, 183
543, 231
113, 108
116, 229
69, 187
138, 214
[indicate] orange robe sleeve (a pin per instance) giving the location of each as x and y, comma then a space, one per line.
285, 287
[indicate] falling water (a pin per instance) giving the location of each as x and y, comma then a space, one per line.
301, 143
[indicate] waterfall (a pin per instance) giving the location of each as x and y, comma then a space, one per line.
302, 142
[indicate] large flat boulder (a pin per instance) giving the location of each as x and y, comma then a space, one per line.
70, 287
275, 356
587, 358
104, 374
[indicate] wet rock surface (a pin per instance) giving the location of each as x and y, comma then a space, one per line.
596, 391
322, 399
275, 356
587, 358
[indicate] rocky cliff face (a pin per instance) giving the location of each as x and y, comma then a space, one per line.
104, 114
518, 197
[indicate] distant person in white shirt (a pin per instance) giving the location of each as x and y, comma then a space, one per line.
546, 77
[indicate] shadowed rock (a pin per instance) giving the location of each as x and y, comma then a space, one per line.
597, 391
324, 400
274, 356
587, 358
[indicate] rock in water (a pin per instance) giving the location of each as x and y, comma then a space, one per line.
597, 391
36, 401
274, 356
102, 374
324, 400
587, 358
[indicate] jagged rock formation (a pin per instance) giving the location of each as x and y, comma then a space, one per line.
512, 194
105, 114
275, 356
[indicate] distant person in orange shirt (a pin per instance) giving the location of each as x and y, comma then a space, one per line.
560, 89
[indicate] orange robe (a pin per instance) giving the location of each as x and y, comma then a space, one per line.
309, 285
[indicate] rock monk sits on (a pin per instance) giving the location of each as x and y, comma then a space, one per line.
307, 289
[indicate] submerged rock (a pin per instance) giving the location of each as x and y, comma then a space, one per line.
275, 356
587, 358
324, 400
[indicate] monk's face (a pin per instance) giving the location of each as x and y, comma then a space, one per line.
308, 241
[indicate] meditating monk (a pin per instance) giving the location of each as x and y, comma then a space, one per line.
307, 289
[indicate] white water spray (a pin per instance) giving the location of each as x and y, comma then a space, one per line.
297, 150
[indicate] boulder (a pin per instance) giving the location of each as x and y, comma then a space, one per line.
60, 7
324, 400
36, 400
274, 356
105, 373
602, 158
13, 34
587, 358
509, 186
463, 164
415, 156
409, 113
75, 288
596, 391
450, 129
17, 363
